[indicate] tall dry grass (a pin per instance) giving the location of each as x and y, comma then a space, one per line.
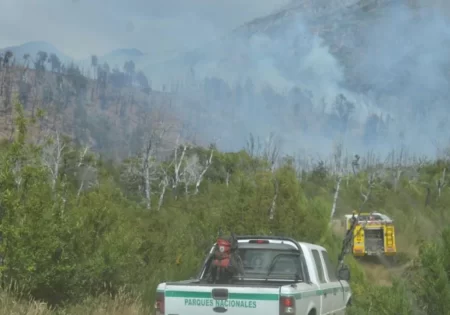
123, 304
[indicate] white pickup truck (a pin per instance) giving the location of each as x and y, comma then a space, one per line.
281, 277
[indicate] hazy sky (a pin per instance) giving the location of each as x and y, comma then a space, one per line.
82, 27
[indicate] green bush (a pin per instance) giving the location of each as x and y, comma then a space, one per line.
88, 230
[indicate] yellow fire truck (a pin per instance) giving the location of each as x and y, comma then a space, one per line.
374, 234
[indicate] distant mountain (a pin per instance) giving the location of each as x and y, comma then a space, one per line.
117, 57
325, 46
268, 47
124, 52
32, 48
388, 58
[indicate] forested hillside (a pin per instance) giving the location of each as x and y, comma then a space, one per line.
318, 70
103, 107
90, 236
109, 107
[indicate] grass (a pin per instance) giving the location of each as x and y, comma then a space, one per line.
123, 304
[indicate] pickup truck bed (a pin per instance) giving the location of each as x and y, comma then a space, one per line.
205, 300
253, 295
251, 300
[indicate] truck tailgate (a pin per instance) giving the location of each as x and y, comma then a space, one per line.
210, 300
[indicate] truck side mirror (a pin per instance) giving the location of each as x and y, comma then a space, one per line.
344, 273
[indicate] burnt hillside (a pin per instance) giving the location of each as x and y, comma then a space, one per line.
108, 110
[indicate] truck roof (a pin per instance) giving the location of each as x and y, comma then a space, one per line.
290, 243
274, 246
310, 245
366, 214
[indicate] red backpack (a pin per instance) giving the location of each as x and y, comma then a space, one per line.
226, 261
222, 254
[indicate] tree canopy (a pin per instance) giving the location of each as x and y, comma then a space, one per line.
75, 226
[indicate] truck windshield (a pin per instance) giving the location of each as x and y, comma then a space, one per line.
271, 264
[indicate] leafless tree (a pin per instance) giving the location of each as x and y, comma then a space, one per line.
397, 164
6, 66
178, 162
338, 170
163, 184
205, 168
365, 193
253, 146
274, 200
149, 163
194, 171
190, 172
146, 167
271, 151
87, 173
355, 164
304, 164
335, 198
52, 156
441, 182
370, 161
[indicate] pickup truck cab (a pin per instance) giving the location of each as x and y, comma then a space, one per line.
281, 277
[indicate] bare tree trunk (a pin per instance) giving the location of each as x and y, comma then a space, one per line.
271, 152
441, 183
54, 158
147, 155
147, 187
398, 174
146, 173
148, 164
164, 184
178, 164
79, 165
80, 189
370, 184
274, 201
200, 178
336, 196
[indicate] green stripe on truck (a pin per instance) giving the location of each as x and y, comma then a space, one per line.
251, 296
231, 296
